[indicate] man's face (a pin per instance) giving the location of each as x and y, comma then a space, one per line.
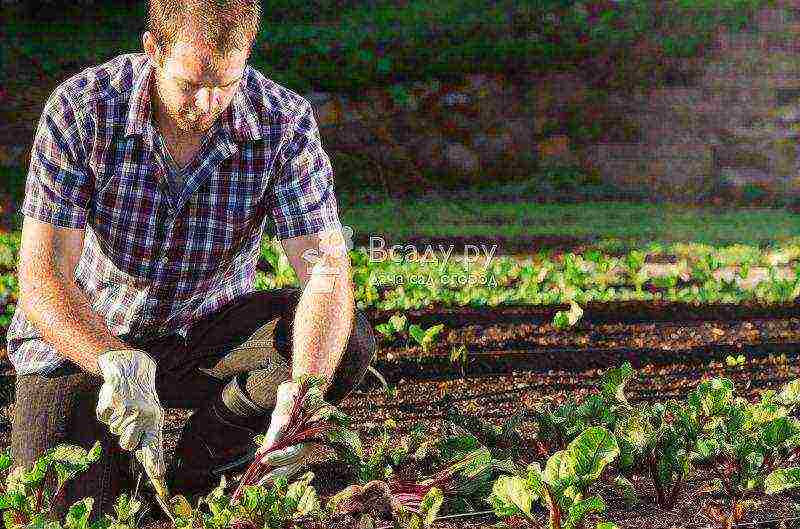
194, 85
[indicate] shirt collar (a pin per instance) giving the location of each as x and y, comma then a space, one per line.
239, 121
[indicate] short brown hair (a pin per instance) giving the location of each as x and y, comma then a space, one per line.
221, 24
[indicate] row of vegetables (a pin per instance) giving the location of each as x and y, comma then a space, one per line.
557, 478
736, 274
416, 281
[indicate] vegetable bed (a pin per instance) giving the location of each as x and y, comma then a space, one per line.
681, 388
429, 396
498, 397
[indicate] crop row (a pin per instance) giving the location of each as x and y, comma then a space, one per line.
700, 274
598, 443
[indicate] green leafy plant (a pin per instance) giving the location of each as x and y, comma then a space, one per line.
127, 512
703, 269
654, 439
735, 361
467, 475
458, 356
27, 497
562, 487
389, 452
463, 475
364, 505
504, 442
744, 445
576, 271
777, 289
636, 271
280, 506
422, 516
425, 338
281, 270
557, 426
376, 463
658, 439
668, 282
451, 444
395, 325
613, 384
565, 319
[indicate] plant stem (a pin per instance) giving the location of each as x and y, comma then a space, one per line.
725, 482
656, 481
552, 506
58, 496
38, 503
736, 512
673, 497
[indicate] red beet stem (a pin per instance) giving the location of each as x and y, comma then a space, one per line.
297, 430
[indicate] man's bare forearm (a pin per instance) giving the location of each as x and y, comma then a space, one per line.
323, 318
64, 317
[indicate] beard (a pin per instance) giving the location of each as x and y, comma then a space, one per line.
188, 121
192, 121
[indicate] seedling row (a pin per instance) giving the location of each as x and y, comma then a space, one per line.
592, 451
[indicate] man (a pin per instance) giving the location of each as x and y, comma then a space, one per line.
151, 179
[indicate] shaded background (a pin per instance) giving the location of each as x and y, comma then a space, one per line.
688, 102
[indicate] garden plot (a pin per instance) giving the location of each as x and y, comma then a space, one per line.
522, 338
490, 401
485, 404
530, 409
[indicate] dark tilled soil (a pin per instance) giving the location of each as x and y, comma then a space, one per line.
543, 364
501, 347
497, 397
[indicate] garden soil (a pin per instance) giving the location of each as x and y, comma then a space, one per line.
515, 365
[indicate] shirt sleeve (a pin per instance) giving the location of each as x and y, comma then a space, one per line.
58, 188
302, 199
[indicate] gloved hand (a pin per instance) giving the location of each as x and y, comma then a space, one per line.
287, 460
128, 403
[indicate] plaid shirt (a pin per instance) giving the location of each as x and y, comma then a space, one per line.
159, 254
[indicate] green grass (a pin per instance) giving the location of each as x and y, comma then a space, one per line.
635, 223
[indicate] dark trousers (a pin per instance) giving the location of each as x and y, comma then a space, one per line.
221, 372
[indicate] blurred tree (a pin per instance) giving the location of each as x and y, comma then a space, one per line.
53, 9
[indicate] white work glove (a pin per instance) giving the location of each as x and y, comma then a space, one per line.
286, 461
129, 405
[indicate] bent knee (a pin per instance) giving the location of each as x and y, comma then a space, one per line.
363, 336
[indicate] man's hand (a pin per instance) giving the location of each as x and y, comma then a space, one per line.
289, 459
128, 403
